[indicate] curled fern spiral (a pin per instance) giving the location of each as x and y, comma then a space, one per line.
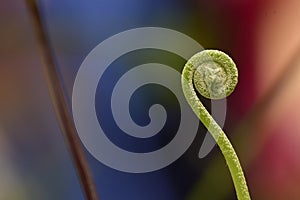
215, 76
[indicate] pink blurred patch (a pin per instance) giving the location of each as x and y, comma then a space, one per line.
275, 174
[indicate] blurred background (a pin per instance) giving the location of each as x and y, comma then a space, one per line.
263, 37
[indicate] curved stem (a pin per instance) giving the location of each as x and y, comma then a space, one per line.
217, 133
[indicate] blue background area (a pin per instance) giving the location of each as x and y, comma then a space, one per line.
75, 28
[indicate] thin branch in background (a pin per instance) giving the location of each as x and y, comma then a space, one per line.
60, 105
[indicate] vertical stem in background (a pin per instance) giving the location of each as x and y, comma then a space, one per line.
58, 99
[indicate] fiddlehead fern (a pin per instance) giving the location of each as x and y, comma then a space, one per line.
214, 75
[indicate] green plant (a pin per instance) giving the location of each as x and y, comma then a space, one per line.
214, 75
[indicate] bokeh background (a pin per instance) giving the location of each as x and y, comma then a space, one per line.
263, 37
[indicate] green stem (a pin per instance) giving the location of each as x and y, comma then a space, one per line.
217, 133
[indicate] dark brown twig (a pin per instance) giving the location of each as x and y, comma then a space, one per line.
58, 99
